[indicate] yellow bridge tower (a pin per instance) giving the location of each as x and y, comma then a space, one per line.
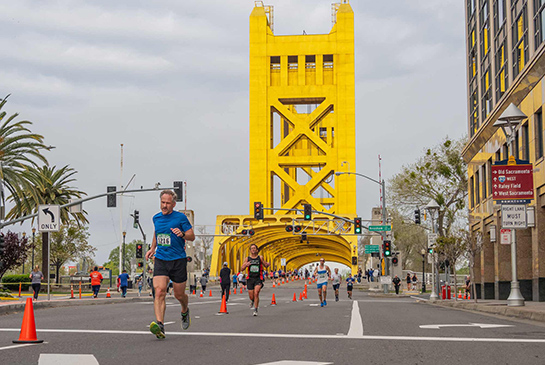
302, 130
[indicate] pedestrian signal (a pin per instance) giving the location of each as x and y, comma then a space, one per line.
307, 212
179, 190
395, 260
417, 216
258, 210
140, 264
357, 225
139, 249
354, 260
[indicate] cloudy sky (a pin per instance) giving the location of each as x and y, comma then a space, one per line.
169, 80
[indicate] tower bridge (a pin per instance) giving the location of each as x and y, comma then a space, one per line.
302, 130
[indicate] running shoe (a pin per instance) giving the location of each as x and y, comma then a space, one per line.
158, 329
255, 312
186, 320
336, 298
325, 303
252, 304
321, 304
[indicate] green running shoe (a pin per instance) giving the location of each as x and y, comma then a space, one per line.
158, 329
186, 320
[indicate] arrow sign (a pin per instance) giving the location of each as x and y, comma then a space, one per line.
481, 325
48, 218
47, 211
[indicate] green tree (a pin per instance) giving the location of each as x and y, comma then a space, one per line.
130, 253
70, 243
15, 253
441, 175
19, 150
410, 240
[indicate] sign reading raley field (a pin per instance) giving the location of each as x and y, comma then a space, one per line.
512, 183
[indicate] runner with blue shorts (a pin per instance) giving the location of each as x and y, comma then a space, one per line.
323, 273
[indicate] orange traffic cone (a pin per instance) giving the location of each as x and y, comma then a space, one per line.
305, 294
193, 292
274, 286
240, 290
72, 292
108, 295
273, 301
294, 297
459, 294
223, 308
210, 293
464, 295
300, 296
468, 296
28, 328
201, 294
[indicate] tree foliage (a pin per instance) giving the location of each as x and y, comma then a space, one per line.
410, 240
130, 253
15, 254
441, 175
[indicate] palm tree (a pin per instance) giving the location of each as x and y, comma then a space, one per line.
19, 150
46, 185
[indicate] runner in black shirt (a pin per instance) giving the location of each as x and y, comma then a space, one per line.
255, 265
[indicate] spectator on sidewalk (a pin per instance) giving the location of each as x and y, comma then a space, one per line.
96, 280
140, 285
37, 277
415, 281
371, 274
408, 279
123, 283
467, 287
225, 281
397, 282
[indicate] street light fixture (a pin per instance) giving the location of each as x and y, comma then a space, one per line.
423, 252
33, 238
508, 121
433, 207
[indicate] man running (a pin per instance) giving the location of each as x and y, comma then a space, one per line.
349, 285
171, 230
323, 273
336, 281
254, 282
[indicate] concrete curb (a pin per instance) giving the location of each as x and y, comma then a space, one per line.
20, 306
496, 309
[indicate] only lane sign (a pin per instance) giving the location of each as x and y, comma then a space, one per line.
49, 218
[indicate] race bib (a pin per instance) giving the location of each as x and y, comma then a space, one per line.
254, 268
322, 276
163, 239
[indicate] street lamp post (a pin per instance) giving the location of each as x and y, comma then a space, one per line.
508, 121
423, 271
384, 215
24, 235
123, 253
433, 207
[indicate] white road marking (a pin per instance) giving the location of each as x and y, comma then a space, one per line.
67, 359
482, 325
418, 298
296, 336
314, 305
168, 323
292, 362
16, 346
356, 324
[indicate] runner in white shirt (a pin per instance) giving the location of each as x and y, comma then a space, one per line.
323, 272
336, 281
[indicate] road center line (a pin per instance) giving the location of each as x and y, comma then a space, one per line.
356, 324
296, 336
16, 346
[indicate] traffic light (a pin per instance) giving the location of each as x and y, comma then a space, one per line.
2, 245
289, 228
387, 246
112, 198
297, 229
139, 250
417, 216
357, 225
395, 260
251, 232
307, 212
430, 249
258, 210
136, 217
179, 190
140, 264
354, 260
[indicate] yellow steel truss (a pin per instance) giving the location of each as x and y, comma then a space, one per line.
302, 129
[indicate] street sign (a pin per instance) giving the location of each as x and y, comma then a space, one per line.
512, 182
432, 239
513, 216
379, 228
505, 236
49, 218
385, 279
283, 262
371, 248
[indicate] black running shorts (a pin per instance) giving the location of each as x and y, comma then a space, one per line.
252, 282
176, 270
336, 286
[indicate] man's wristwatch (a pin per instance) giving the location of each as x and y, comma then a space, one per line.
183, 234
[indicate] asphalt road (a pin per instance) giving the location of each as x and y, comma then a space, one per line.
366, 330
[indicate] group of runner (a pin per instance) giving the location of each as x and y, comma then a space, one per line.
172, 228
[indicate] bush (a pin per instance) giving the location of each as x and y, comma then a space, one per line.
16, 279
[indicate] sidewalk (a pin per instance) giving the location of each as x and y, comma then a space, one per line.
534, 311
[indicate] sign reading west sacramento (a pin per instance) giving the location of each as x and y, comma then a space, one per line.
512, 182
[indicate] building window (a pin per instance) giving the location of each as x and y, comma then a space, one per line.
486, 100
484, 178
485, 29
539, 22
474, 116
471, 193
489, 175
502, 81
498, 156
477, 187
515, 147
470, 7
539, 134
520, 41
505, 151
525, 142
499, 14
